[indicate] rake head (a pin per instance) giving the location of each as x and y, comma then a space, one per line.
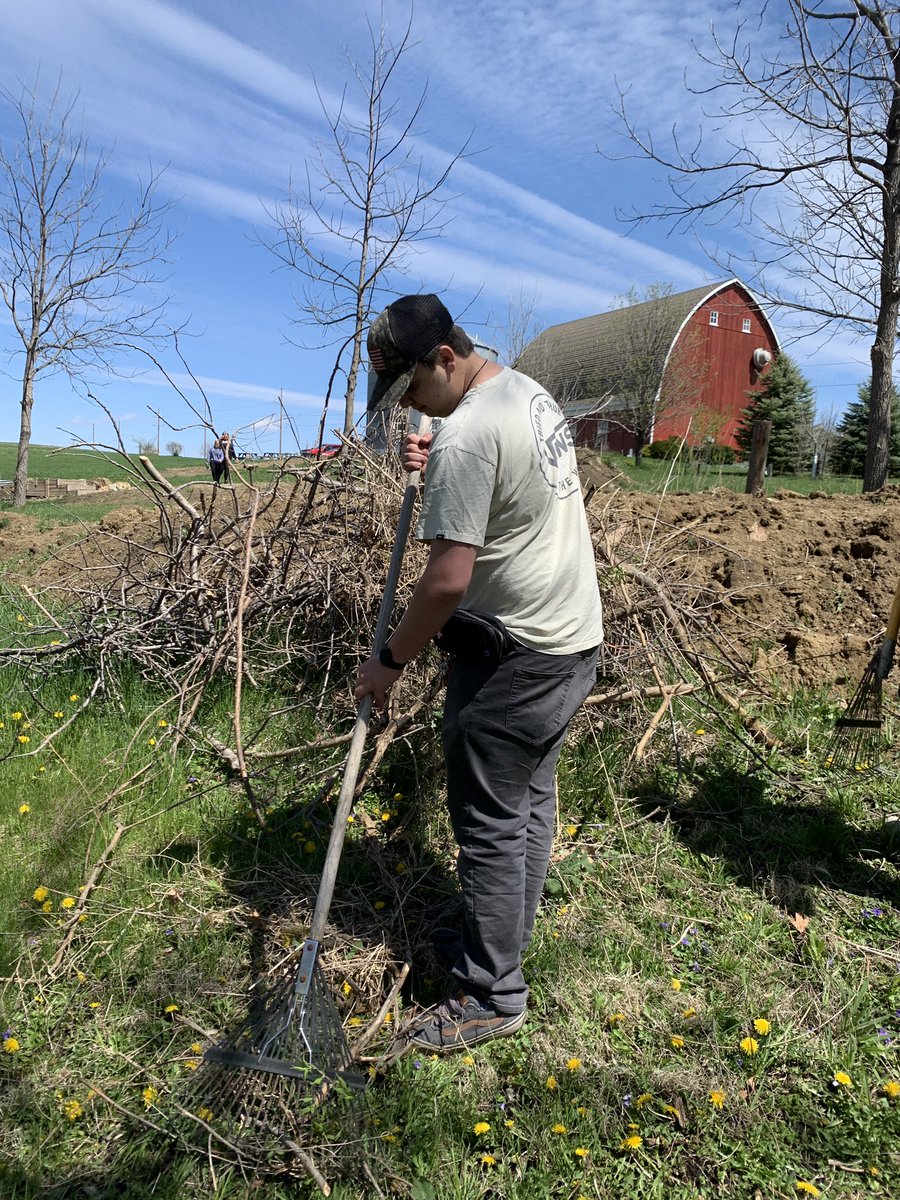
856, 743
259, 1087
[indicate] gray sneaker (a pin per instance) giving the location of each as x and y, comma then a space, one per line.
460, 1022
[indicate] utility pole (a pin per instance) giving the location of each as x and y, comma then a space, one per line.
280, 417
158, 424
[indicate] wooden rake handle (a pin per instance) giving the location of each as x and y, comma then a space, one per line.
364, 712
893, 625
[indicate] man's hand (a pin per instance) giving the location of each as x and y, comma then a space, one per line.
414, 455
372, 678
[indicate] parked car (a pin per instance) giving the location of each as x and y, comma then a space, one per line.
326, 450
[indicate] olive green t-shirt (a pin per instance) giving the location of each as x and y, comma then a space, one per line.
502, 477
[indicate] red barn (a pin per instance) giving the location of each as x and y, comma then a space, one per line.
677, 364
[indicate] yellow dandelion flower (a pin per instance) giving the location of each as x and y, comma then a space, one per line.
559, 1128
480, 1127
151, 1095
162, 724
571, 830
573, 1064
581, 1110
346, 988
81, 977
23, 738
615, 1018
385, 816
151, 741
355, 1022
388, 1017
644, 1098
873, 1171
551, 1082
749, 1045
509, 1123
676, 985
717, 1099
891, 1089
171, 1008
762, 1026
73, 697
192, 1063
205, 1114
398, 795
196, 1048
94, 1004
389, 1137
72, 1109
688, 1013
58, 713
309, 847
67, 902
400, 868
631, 1143
41, 770
699, 732
843, 1079
677, 1041
47, 906
468, 1061
581, 1151
378, 905
24, 808
20, 617
17, 716
11, 1045
670, 1109
488, 1160
808, 1189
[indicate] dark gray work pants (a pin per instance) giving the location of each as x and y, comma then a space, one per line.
503, 730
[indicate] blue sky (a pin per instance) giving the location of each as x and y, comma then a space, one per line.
223, 95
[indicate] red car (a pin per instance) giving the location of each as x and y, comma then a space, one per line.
326, 450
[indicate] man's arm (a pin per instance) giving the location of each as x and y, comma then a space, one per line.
436, 596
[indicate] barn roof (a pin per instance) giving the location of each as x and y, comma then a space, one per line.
571, 359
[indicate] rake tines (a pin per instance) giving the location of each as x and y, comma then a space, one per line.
856, 744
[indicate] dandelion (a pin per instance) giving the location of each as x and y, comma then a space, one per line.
67, 902
47, 906
205, 1114
842, 1079
398, 795
58, 714
573, 1064
468, 1061
717, 1099
151, 741
509, 1123
581, 1151
378, 905
559, 1128
355, 1022
631, 1143
171, 1008
581, 1110
23, 738
571, 830
151, 1095
551, 1082
309, 847
676, 985
615, 1018
162, 724
24, 808
73, 697
72, 1109
699, 732
192, 1063
480, 1127
346, 988
891, 1089
41, 770
488, 1160
670, 1109
94, 1004
196, 1048
689, 1013
20, 617
749, 1045
677, 1042
400, 868
17, 716
808, 1189
762, 1026
11, 1045
385, 816
644, 1098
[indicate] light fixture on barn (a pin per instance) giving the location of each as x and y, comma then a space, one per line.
761, 358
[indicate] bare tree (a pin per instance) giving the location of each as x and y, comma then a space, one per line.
818, 122
647, 377
365, 199
174, 448
76, 271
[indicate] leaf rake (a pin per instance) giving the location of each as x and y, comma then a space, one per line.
260, 1085
856, 742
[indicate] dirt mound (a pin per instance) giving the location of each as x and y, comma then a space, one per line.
801, 584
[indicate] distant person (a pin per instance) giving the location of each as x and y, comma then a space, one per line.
230, 455
218, 463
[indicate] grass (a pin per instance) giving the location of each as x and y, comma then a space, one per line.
657, 475
54, 462
718, 896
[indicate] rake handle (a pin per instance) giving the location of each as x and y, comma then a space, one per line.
884, 657
364, 711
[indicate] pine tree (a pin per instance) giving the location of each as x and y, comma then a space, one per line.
848, 456
786, 399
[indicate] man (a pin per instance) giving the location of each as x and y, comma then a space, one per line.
503, 515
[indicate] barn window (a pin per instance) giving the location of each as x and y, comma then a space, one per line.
745, 325
713, 317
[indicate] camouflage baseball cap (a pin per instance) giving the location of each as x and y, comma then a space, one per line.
399, 337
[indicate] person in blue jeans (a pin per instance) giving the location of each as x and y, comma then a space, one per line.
503, 516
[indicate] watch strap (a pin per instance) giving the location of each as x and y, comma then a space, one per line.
387, 659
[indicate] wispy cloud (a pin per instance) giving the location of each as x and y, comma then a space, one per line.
233, 389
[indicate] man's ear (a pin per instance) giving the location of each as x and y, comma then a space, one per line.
447, 358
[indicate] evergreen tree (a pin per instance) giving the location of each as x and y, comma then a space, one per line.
785, 398
848, 457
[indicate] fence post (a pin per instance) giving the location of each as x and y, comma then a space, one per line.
759, 452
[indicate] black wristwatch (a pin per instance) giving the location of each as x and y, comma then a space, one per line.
387, 659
